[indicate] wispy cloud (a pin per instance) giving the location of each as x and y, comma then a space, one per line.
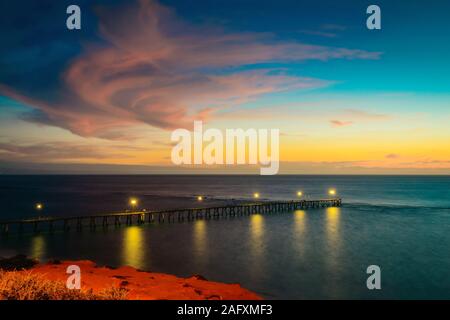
152, 68
338, 123
365, 115
357, 116
326, 30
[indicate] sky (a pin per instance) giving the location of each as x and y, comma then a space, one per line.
105, 99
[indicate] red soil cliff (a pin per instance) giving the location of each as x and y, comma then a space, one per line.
145, 285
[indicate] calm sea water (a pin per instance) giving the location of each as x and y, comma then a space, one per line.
400, 223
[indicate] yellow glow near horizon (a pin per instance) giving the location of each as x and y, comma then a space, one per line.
39, 206
256, 195
332, 192
200, 198
299, 193
384, 137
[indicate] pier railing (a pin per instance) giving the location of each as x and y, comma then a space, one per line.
172, 215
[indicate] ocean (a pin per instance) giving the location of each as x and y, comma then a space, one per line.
399, 223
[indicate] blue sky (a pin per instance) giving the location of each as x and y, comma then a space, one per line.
414, 37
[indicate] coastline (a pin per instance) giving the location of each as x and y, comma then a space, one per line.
140, 285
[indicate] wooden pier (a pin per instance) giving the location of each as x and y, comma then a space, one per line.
92, 222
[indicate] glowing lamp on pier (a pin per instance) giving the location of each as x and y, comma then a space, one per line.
256, 195
39, 206
199, 198
332, 192
133, 202
299, 193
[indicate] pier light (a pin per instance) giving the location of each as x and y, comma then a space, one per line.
256, 195
133, 202
199, 198
332, 192
299, 193
39, 206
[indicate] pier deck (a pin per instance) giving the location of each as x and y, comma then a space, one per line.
172, 215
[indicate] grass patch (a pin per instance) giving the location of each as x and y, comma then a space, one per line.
26, 285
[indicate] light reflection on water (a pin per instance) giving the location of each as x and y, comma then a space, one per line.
257, 235
332, 226
134, 247
38, 247
200, 241
299, 222
299, 231
332, 221
257, 246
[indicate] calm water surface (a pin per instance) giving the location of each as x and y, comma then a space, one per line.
400, 223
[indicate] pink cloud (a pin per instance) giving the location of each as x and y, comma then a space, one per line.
158, 70
364, 115
338, 123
